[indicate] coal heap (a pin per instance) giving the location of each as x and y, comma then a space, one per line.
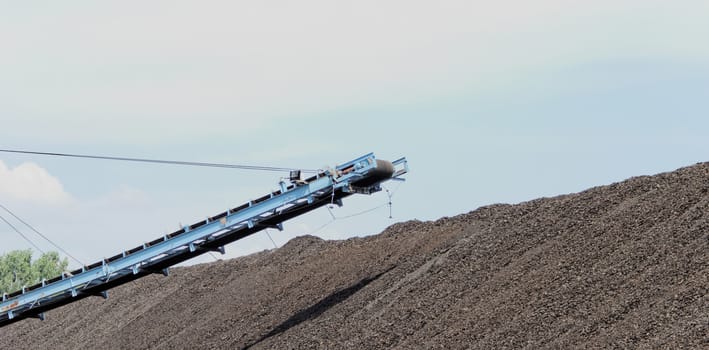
618, 266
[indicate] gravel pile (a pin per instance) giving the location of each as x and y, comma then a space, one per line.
618, 266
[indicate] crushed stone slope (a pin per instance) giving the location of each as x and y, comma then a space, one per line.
624, 265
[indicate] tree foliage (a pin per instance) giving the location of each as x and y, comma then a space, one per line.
17, 269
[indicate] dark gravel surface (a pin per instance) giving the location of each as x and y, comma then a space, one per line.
619, 266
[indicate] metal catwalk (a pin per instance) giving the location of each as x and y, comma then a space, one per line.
363, 175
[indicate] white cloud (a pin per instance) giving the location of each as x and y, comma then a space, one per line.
32, 183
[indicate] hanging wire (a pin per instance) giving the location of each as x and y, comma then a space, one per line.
21, 234
271, 238
213, 256
160, 161
323, 226
396, 189
329, 209
362, 212
391, 194
334, 218
41, 235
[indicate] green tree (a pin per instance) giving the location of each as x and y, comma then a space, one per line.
17, 269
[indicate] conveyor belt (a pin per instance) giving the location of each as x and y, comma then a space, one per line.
296, 197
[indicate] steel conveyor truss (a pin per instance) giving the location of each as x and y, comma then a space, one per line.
295, 197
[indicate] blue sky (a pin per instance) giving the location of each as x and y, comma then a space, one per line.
502, 102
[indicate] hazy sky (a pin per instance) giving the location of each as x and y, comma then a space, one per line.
491, 102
